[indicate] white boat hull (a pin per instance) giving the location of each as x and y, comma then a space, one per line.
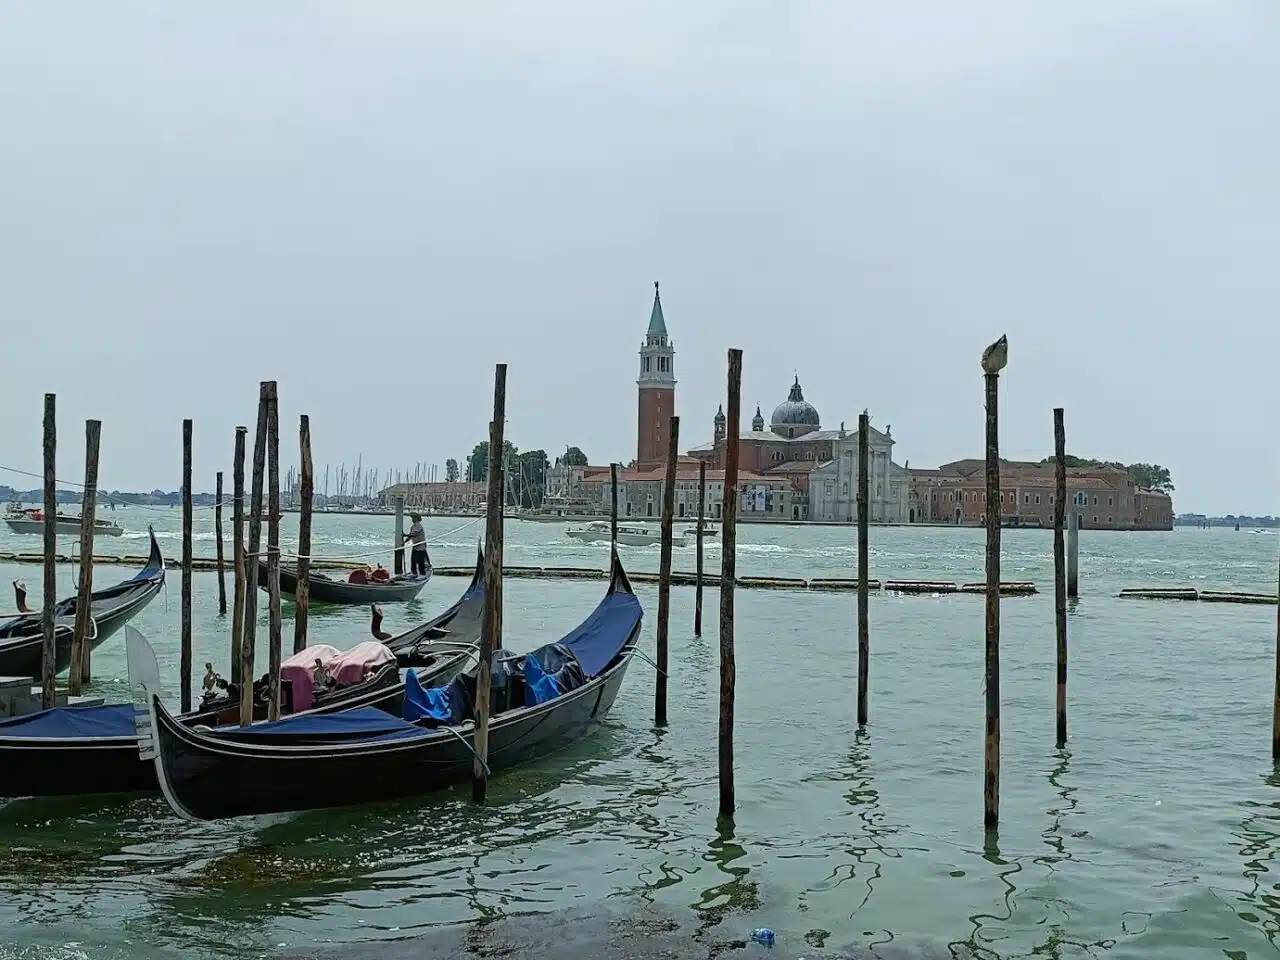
63, 525
628, 539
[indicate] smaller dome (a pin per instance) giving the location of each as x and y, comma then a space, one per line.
795, 410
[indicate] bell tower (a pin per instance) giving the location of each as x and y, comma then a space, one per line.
657, 388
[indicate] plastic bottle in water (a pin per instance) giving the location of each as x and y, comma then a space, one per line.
763, 935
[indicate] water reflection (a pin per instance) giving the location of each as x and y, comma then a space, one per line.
736, 893
1259, 837
1064, 805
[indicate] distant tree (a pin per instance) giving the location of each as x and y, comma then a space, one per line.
574, 457
478, 462
451, 470
1152, 476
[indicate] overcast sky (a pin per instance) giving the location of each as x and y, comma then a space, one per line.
373, 202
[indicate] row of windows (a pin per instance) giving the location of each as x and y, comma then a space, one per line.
1010, 497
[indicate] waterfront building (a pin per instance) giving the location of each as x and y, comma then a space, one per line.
820, 466
1105, 497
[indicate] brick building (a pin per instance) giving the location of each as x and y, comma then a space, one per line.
1105, 497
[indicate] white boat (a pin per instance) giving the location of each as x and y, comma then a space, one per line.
31, 520
637, 534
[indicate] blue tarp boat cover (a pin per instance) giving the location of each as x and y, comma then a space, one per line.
421, 703
363, 722
64, 723
601, 637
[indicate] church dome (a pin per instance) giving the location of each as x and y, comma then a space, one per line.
795, 410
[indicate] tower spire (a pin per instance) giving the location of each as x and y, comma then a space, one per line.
657, 322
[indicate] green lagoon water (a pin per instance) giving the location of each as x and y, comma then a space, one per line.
1154, 834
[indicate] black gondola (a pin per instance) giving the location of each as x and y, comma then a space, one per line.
86, 750
327, 590
22, 638
546, 700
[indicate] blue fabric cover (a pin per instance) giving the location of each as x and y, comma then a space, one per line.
363, 722
539, 686
601, 637
421, 703
64, 723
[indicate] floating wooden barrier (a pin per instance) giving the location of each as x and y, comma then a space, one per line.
773, 583
921, 586
1008, 588
1237, 596
840, 583
1159, 593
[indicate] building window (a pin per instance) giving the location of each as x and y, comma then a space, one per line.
1095, 503
1037, 499
1095, 519
846, 489
1026, 498
1051, 498
1108, 501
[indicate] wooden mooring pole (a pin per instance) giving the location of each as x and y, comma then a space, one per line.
275, 625
613, 514
184, 669
237, 554
491, 619
80, 642
864, 563
398, 559
702, 512
664, 575
1060, 567
49, 649
248, 648
1275, 707
306, 492
728, 576
993, 361
217, 536
1073, 552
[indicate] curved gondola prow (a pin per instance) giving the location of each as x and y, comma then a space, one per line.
155, 562
619, 582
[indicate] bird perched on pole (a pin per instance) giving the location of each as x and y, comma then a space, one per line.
996, 356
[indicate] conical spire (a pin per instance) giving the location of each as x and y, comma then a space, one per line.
757, 422
657, 323
720, 414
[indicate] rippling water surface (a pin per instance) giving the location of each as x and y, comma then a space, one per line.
1154, 834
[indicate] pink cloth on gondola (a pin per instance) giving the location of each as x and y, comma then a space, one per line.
346, 667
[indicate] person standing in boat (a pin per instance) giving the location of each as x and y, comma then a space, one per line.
419, 561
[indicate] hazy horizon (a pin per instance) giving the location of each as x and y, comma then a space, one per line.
373, 203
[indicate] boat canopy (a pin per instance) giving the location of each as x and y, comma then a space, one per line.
112, 720
360, 723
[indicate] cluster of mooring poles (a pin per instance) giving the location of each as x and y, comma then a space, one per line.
246, 559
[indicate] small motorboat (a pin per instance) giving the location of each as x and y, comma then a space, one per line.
31, 520
629, 534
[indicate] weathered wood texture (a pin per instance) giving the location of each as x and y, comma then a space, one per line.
237, 553
248, 649
728, 574
49, 652
702, 512
306, 494
991, 752
184, 669
664, 575
275, 624
864, 564
1060, 567
491, 622
217, 535
84, 627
